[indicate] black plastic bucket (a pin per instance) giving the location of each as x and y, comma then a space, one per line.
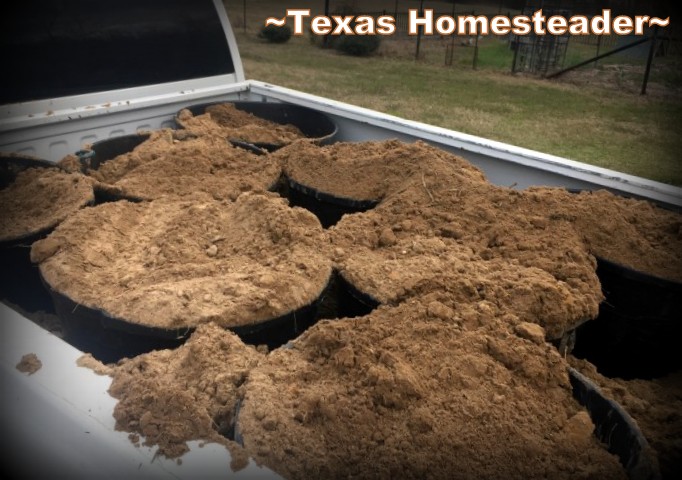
616, 429
278, 331
20, 283
110, 339
352, 301
103, 150
637, 331
639, 327
326, 207
11, 165
313, 124
108, 149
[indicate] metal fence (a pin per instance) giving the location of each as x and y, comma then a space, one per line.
543, 56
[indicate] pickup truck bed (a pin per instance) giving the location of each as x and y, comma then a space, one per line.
58, 421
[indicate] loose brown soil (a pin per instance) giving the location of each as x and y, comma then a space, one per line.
496, 231
437, 193
173, 396
474, 278
39, 199
174, 264
88, 361
417, 266
29, 364
656, 406
634, 233
227, 121
404, 393
386, 253
178, 164
368, 170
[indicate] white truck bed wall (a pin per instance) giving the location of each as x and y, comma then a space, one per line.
52, 134
59, 423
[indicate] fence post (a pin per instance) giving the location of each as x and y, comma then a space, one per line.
450, 56
476, 52
650, 60
419, 32
516, 52
325, 39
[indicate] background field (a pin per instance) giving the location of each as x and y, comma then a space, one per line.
595, 115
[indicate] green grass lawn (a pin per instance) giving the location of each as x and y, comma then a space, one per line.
602, 126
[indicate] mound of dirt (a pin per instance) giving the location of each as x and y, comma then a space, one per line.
369, 171
631, 232
451, 377
227, 121
39, 199
179, 164
174, 263
415, 266
403, 393
173, 396
493, 227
